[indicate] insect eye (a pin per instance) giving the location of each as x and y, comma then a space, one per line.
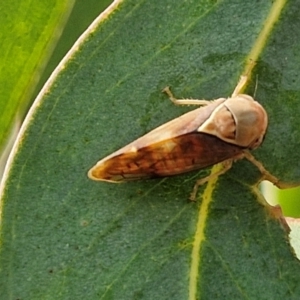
225, 124
256, 143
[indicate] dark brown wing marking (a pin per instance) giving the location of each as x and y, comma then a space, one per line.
166, 158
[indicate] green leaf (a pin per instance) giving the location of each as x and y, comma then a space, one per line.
64, 236
82, 14
29, 30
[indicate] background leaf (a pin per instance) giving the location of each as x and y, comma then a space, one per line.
29, 32
82, 14
72, 238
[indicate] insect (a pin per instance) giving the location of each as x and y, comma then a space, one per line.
222, 130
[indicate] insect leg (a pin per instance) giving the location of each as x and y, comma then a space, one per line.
226, 166
240, 86
267, 175
244, 79
184, 101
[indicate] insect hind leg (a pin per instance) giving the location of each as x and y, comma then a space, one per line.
226, 166
184, 101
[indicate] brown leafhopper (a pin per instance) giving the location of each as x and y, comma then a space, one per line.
222, 130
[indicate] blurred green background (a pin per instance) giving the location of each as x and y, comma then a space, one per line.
82, 15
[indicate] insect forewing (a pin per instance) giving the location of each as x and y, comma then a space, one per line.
173, 148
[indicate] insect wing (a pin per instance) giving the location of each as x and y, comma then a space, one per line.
173, 148
166, 158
